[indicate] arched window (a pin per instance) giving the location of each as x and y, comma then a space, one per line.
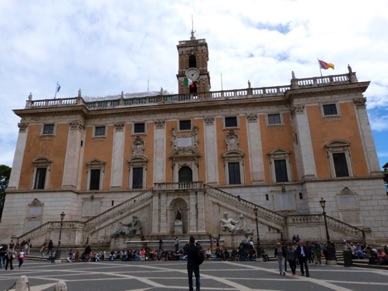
192, 61
185, 174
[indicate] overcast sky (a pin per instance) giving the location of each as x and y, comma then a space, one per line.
104, 47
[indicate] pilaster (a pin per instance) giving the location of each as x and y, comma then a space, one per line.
73, 151
211, 153
367, 137
159, 152
118, 156
255, 149
303, 144
18, 158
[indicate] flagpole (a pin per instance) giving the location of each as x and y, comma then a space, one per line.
56, 91
320, 69
222, 86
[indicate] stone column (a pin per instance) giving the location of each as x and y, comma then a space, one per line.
304, 154
367, 137
255, 149
118, 156
210, 139
19, 154
73, 152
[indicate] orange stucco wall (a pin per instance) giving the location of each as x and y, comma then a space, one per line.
326, 129
50, 147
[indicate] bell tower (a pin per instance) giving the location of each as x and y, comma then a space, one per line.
193, 57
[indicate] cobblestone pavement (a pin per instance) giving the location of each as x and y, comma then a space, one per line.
215, 275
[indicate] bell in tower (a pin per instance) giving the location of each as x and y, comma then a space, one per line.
193, 75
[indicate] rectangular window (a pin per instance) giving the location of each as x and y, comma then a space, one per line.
139, 128
99, 131
48, 129
340, 165
40, 178
274, 119
137, 178
95, 179
281, 171
234, 173
330, 109
231, 121
184, 124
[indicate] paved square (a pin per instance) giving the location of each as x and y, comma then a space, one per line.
215, 275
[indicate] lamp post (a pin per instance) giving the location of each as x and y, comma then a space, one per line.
58, 251
330, 256
258, 247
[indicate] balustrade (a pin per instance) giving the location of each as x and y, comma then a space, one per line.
229, 94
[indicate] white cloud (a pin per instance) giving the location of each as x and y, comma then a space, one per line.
106, 46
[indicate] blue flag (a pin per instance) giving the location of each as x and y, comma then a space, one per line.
58, 87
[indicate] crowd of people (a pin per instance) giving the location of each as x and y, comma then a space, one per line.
10, 252
294, 252
376, 256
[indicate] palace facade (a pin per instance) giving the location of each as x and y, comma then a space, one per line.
265, 155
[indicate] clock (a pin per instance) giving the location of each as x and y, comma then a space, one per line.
192, 74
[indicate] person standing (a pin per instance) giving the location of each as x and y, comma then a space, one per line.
160, 244
302, 254
176, 244
291, 257
21, 257
9, 257
279, 254
191, 249
42, 251
50, 247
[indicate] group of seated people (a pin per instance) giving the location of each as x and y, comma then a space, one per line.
245, 252
361, 251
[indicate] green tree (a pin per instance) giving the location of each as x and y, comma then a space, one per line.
5, 173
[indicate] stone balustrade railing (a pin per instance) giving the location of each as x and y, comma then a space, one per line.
178, 186
249, 206
332, 223
197, 97
43, 229
344, 227
116, 210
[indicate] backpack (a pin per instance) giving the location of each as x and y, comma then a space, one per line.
200, 257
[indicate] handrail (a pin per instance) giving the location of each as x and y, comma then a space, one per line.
250, 206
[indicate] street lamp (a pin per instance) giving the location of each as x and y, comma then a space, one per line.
58, 251
258, 247
330, 256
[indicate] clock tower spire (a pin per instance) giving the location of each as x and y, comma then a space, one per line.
193, 75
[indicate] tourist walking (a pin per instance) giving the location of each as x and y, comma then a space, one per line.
301, 252
191, 250
21, 257
291, 257
280, 255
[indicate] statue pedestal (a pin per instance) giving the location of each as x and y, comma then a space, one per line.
178, 227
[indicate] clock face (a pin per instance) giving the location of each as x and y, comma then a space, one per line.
192, 74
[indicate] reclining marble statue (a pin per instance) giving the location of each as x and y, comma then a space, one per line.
234, 226
132, 228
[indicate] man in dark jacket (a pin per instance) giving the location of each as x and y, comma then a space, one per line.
191, 250
302, 254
